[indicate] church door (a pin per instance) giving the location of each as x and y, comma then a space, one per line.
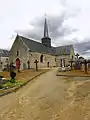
18, 63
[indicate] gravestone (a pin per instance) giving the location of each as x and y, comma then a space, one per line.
63, 65
2, 82
36, 62
77, 55
85, 62
12, 73
28, 62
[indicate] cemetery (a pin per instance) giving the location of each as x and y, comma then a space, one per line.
16, 78
78, 68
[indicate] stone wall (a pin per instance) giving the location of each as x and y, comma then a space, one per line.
22, 55
66, 57
3, 62
46, 58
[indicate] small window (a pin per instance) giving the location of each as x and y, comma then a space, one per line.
17, 53
6, 59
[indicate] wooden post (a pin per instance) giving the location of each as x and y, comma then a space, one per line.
36, 64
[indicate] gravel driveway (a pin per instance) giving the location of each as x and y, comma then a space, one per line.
48, 97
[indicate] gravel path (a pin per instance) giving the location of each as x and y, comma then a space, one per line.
49, 97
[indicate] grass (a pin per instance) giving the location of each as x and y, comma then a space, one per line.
24, 75
9, 84
21, 78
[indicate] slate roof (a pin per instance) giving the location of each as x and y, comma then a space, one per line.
4, 53
64, 50
39, 47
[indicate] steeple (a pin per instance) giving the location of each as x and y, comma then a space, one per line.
45, 28
46, 41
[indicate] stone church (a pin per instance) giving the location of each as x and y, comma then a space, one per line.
27, 51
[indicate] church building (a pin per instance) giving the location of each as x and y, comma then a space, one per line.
26, 51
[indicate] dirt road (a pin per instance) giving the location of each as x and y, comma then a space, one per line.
49, 97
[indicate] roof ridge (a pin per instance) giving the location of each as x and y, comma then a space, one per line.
29, 38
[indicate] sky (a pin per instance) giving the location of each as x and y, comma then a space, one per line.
68, 22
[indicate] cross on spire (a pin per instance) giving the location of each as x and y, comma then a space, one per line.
45, 28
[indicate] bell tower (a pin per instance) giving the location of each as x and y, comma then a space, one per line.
46, 41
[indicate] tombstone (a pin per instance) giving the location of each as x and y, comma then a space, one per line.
12, 73
48, 64
77, 64
63, 65
2, 82
85, 62
28, 62
77, 55
36, 61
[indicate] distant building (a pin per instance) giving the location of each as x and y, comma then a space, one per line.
26, 50
4, 58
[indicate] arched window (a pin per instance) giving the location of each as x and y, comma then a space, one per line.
41, 58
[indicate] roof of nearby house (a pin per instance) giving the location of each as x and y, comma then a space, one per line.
4, 53
39, 47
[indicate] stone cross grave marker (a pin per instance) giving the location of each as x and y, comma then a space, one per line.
28, 62
77, 55
36, 61
85, 62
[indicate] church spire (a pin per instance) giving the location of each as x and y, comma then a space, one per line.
46, 41
46, 28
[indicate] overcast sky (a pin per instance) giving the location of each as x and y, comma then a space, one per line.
68, 20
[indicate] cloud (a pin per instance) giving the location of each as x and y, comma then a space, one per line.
56, 25
83, 48
59, 30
